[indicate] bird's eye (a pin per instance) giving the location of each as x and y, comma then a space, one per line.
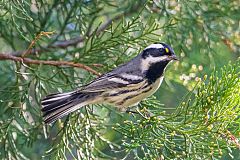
161, 50
164, 51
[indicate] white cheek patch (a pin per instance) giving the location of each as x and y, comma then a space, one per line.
145, 64
155, 46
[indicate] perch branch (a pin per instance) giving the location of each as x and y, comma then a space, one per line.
47, 62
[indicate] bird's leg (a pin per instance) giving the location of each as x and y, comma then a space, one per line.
132, 112
143, 111
137, 112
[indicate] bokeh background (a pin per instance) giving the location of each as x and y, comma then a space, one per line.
102, 35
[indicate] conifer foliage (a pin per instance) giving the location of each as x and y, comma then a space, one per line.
49, 46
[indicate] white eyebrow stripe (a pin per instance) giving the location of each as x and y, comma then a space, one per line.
155, 46
131, 76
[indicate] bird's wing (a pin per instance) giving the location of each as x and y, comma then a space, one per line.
105, 82
114, 79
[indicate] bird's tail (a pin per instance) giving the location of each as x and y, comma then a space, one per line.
55, 106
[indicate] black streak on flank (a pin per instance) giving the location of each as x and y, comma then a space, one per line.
155, 71
127, 91
134, 95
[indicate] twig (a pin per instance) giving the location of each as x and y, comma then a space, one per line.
71, 42
42, 33
47, 62
65, 43
228, 43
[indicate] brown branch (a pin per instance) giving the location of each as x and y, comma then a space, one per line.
47, 62
228, 43
34, 41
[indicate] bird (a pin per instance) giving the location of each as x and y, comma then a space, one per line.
122, 87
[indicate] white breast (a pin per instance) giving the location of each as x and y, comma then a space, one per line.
135, 100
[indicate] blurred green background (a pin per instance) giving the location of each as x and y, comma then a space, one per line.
102, 35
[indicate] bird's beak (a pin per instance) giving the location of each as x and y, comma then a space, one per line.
174, 57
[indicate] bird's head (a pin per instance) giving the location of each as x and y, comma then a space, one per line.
155, 58
159, 52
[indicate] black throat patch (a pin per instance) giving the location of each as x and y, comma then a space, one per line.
155, 71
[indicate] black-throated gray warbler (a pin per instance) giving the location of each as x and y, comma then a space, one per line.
122, 87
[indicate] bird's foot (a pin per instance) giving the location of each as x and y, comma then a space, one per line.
131, 112
144, 113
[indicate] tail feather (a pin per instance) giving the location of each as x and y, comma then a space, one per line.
50, 109
56, 106
61, 112
54, 103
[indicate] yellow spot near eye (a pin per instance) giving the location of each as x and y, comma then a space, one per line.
167, 50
